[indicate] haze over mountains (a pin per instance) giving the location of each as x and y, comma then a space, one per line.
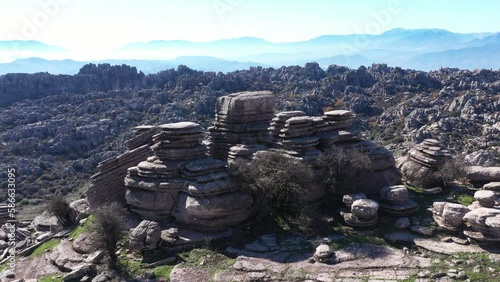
421, 49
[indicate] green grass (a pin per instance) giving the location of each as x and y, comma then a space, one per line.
470, 261
51, 278
464, 199
81, 229
208, 260
163, 271
49, 245
353, 237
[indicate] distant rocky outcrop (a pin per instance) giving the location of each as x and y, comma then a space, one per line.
103, 77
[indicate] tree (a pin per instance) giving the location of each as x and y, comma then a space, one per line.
342, 168
109, 226
280, 181
59, 207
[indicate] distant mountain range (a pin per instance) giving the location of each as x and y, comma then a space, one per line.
423, 49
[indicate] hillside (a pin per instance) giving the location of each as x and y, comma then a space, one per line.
55, 128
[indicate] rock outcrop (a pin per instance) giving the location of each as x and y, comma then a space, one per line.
422, 162
363, 211
449, 216
181, 183
484, 224
240, 118
107, 185
395, 200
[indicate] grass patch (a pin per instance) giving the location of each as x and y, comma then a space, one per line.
49, 245
207, 259
81, 228
464, 199
51, 278
163, 271
352, 237
470, 262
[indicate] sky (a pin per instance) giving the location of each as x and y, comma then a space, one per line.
90, 25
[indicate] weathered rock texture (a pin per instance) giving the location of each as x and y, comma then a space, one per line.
107, 185
395, 200
241, 118
363, 211
422, 162
180, 182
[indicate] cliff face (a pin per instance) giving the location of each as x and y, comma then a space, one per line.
17, 87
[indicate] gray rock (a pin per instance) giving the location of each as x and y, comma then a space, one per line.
485, 198
80, 272
364, 208
402, 223
349, 199
323, 253
145, 236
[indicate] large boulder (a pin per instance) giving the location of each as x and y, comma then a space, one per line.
479, 174
145, 236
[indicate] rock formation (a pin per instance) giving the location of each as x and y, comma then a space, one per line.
422, 162
449, 216
107, 185
484, 224
241, 118
363, 211
182, 183
395, 200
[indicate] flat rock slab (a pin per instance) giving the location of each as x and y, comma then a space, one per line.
189, 274
446, 248
357, 262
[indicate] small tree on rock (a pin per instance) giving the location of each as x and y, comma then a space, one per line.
109, 226
59, 207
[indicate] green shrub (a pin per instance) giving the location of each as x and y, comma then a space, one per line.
59, 207
280, 181
342, 168
110, 225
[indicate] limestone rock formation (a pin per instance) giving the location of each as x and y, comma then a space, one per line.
484, 224
107, 185
363, 212
180, 182
483, 175
395, 200
145, 236
422, 161
449, 216
240, 118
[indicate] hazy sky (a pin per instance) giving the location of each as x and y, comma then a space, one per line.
98, 24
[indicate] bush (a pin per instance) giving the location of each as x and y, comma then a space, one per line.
109, 225
280, 181
451, 170
59, 207
342, 168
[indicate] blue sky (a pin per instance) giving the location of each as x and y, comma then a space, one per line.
97, 24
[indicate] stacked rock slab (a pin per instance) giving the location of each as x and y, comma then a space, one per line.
107, 185
449, 216
279, 121
422, 161
153, 185
182, 183
243, 152
297, 136
484, 224
363, 211
395, 200
240, 118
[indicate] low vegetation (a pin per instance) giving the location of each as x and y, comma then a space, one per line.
59, 207
281, 183
342, 168
110, 225
49, 245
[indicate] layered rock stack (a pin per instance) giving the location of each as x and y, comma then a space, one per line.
180, 182
422, 161
449, 216
363, 211
153, 185
279, 121
243, 152
395, 200
212, 201
484, 224
297, 137
240, 118
107, 184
